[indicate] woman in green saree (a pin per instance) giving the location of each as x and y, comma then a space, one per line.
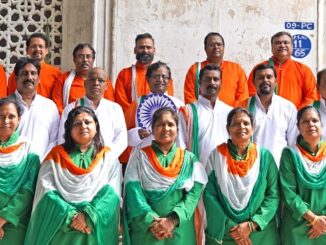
303, 183
242, 196
163, 184
18, 174
77, 197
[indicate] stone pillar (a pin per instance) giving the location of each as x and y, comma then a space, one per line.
103, 34
78, 26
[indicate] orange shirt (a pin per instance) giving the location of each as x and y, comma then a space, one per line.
3, 82
123, 86
48, 76
234, 88
295, 82
77, 90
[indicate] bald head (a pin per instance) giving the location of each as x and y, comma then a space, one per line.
96, 83
97, 70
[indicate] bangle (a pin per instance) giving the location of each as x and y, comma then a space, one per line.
250, 227
175, 221
314, 220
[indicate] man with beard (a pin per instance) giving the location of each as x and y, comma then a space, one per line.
40, 119
295, 81
234, 88
131, 82
37, 47
3, 82
202, 123
70, 86
109, 114
275, 117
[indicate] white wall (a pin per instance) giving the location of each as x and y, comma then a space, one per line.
179, 28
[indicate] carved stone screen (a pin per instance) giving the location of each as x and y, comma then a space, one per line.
21, 18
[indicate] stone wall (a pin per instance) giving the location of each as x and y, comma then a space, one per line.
179, 28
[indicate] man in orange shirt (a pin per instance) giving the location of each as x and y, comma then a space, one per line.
295, 81
70, 85
37, 49
131, 82
3, 82
234, 88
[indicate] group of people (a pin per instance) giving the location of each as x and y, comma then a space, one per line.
242, 161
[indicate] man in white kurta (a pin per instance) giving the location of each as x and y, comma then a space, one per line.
109, 114
211, 115
275, 117
40, 119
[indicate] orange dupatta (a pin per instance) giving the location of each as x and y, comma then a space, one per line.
60, 156
319, 156
239, 167
173, 169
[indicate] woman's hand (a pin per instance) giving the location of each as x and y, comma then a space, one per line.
162, 228
2, 222
2, 233
318, 227
78, 223
240, 233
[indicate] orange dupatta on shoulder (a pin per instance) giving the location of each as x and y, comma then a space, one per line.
239, 167
60, 156
321, 153
173, 169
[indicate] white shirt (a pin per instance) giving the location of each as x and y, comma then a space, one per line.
133, 137
39, 123
277, 128
111, 120
211, 125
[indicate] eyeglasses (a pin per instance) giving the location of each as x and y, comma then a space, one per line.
83, 56
281, 42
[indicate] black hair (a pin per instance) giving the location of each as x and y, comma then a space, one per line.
69, 144
319, 75
155, 66
82, 46
143, 36
213, 34
281, 33
12, 100
300, 113
210, 67
264, 67
158, 115
37, 35
237, 110
20, 64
